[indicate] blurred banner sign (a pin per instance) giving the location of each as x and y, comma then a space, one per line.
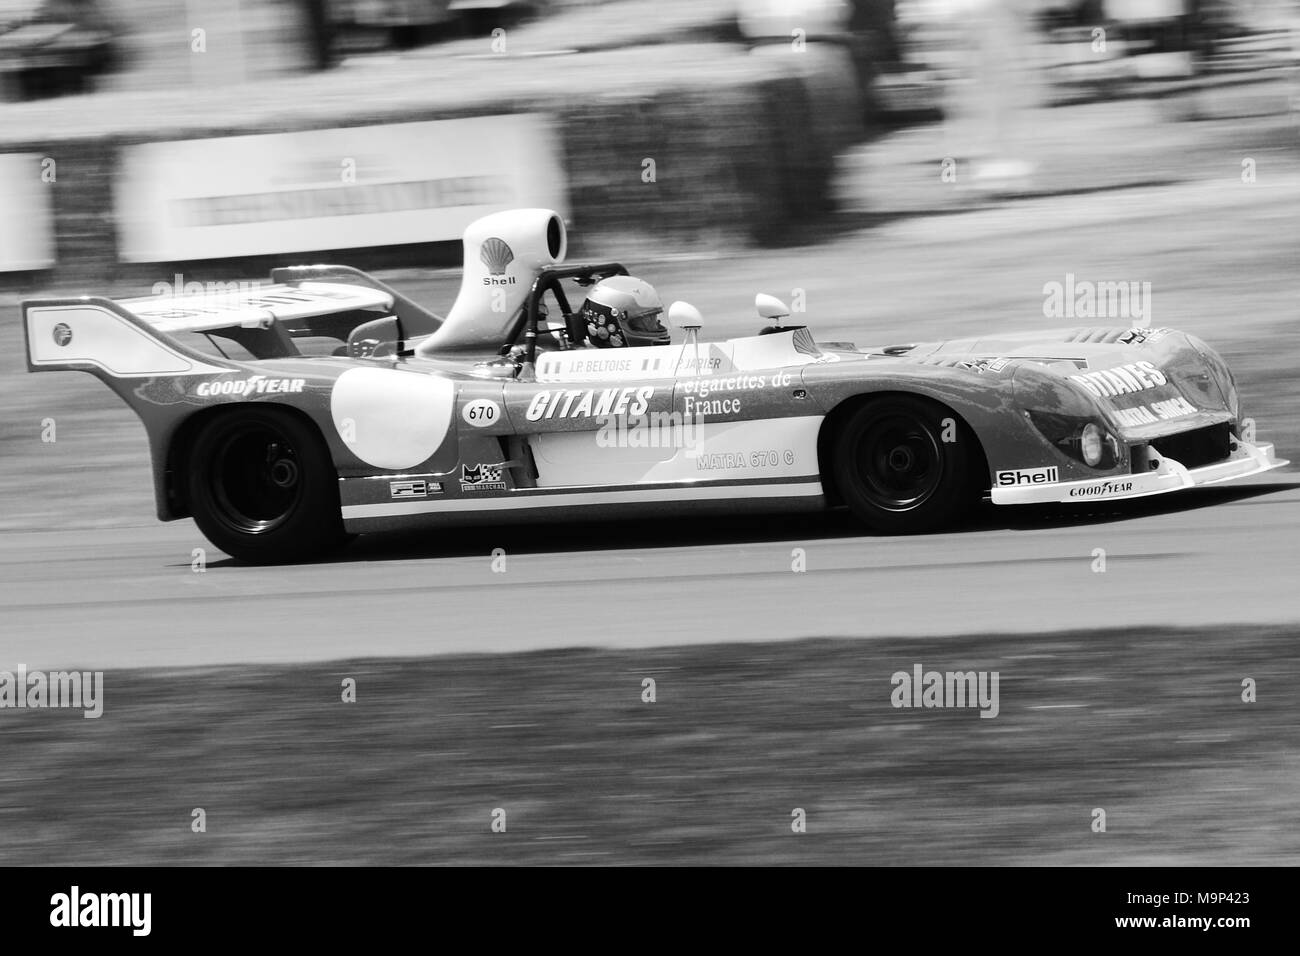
331, 189
1130, 10
27, 184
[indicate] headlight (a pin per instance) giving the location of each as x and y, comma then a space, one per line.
1090, 444
1083, 439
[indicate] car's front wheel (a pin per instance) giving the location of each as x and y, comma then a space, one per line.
262, 487
902, 464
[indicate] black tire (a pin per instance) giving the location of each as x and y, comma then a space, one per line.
894, 470
263, 489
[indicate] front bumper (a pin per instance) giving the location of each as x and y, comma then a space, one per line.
1167, 475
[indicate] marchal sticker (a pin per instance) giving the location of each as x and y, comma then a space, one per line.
62, 334
481, 478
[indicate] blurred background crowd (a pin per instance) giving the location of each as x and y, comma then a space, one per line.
697, 96
52, 47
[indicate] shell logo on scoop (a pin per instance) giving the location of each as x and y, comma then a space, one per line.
392, 419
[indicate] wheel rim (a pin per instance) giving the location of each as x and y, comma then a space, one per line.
899, 461
256, 478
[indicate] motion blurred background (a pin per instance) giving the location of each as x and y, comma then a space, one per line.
677, 125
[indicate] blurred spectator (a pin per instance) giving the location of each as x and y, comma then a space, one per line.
319, 33
997, 84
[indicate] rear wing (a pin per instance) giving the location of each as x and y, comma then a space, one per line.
135, 338
97, 335
414, 319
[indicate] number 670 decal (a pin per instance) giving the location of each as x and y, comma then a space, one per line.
481, 413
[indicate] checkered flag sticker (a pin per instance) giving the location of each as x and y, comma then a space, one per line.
480, 474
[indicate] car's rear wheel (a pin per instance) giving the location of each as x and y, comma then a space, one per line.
262, 487
902, 464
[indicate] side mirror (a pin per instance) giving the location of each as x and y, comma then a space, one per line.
685, 316
770, 307
375, 338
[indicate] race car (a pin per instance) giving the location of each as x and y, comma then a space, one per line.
286, 417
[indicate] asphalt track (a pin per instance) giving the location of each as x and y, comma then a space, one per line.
131, 598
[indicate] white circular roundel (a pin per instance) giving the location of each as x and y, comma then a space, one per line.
392, 419
481, 413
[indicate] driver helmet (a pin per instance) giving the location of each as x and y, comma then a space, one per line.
623, 312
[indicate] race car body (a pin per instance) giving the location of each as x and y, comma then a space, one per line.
284, 416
